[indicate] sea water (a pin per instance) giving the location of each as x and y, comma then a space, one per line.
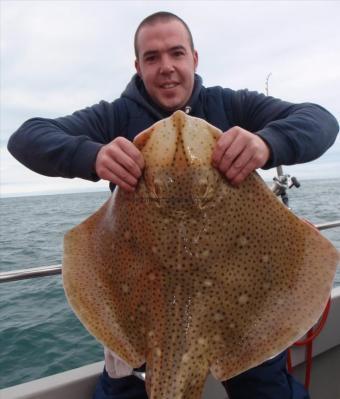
39, 334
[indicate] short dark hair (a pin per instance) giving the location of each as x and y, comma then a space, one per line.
161, 16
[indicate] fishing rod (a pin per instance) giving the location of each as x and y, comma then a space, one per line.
282, 182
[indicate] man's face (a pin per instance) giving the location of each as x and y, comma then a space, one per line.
166, 63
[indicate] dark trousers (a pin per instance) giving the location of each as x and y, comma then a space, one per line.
269, 380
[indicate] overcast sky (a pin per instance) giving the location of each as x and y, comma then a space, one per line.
60, 56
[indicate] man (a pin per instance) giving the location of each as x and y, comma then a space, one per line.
166, 62
95, 143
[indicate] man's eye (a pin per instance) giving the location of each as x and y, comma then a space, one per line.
150, 58
178, 53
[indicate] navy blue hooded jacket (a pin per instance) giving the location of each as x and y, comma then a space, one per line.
68, 146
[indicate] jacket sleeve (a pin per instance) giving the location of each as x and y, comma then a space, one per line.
67, 146
295, 133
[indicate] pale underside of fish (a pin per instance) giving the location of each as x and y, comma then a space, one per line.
191, 275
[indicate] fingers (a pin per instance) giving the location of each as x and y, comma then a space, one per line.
131, 151
121, 163
232, 152
120, 177
236, 176
238, 153
222, 145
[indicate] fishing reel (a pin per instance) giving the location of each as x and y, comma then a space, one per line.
282, 183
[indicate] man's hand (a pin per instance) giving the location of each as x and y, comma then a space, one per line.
238, 153
121, 163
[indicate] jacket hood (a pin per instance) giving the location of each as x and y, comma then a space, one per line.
135, 91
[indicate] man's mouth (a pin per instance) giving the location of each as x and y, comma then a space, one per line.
169, 85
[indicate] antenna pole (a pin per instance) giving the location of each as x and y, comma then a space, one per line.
267, 83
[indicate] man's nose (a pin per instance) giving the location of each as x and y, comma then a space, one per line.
166, 65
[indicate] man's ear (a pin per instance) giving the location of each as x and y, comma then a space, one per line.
137, 66
195, 54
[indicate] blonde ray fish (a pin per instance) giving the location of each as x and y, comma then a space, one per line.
190, 274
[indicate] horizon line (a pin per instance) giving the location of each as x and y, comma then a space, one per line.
103, 189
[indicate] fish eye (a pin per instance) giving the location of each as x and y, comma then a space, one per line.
157, 187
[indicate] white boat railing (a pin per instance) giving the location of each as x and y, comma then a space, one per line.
33, 272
